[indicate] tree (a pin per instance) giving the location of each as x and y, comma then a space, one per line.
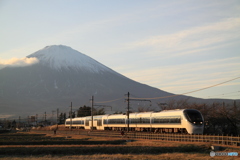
73, 115
118, 112
98, 112
86, 111
62, 118
14, 124
144, 109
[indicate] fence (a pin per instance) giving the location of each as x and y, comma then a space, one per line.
215, 139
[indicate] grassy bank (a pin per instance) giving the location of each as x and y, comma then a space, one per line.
40, 146
100, 149
42, 139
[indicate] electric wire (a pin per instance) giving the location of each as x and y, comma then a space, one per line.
224, 94
190, 91
110, 100
232, 95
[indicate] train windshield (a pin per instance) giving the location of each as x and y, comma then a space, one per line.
193, 116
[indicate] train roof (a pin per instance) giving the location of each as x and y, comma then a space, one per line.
136, 113
173, 110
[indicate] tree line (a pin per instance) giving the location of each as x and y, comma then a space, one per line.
81, 112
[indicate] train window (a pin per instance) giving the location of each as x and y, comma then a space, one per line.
75, 122
105, 121
78, 122
133, 120
87, 123
193, 116
116, 121
99, 122
145, 120
81, 122
67, 122
139, 120
110, 121
164, 120
175, 120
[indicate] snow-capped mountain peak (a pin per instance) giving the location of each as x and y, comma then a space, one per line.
60, 56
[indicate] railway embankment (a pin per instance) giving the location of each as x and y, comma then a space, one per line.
228, 140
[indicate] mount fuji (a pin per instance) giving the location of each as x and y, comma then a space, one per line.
63, 57
63, 75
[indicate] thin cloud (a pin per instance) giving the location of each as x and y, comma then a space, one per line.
18, 62
187, 77
193, 38
5, 116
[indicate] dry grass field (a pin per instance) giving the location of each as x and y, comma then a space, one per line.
31, 146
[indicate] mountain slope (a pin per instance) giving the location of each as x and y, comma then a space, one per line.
64, 75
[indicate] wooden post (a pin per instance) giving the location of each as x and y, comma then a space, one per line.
92, 113
128, 111
71, 117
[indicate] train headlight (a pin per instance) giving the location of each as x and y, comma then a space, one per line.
200, 122
194, 122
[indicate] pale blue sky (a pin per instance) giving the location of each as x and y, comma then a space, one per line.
176, 46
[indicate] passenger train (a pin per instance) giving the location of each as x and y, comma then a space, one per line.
166, 121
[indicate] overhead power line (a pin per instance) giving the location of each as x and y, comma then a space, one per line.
224, 94
232, 95
191, 91
110, 100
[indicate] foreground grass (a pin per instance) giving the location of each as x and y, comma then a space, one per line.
165, 156
100, 149
33, 146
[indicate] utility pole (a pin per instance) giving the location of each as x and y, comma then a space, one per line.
36, 119
128, 107
57, 115
19, 121
128, 111
45, 118
71, 117
5, 123
92, 112
28, 121
52, 117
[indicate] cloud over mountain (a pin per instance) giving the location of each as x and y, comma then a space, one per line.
18, 62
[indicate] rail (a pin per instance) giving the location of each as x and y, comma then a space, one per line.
215, 139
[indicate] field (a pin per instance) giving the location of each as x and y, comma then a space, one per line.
30, 145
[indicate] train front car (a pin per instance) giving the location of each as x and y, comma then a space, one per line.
193, 121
